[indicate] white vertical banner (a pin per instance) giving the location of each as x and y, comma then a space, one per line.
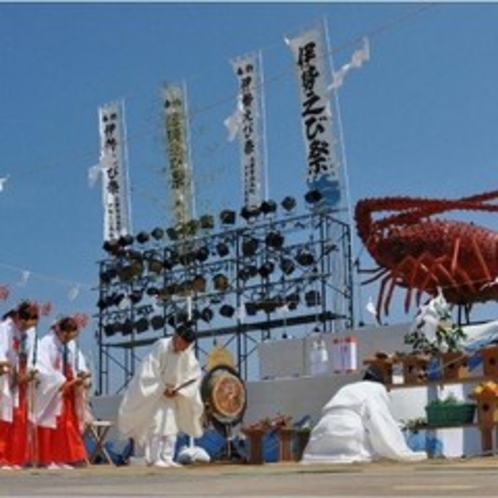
177, 146
246, 122
115, 194
314, 72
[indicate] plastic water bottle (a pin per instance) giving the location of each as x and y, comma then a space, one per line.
314, 359
319, 358
322, 358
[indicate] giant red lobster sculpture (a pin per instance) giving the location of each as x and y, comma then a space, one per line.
415, 251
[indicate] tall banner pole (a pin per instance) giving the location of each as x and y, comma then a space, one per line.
313, 72
177, 147
247, 123
113, 164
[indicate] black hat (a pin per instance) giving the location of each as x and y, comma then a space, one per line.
185, 331
374, 373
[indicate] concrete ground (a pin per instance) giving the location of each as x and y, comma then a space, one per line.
438, 477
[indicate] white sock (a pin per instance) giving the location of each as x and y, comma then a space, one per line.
167, 448
152, 449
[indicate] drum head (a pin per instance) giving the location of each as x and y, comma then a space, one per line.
224, 395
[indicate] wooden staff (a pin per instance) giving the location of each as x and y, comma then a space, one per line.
25, 377
81, 398
32, 426
32, 419
185, 384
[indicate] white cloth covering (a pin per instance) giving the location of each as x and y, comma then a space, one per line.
145, 411
192, 454
357, 426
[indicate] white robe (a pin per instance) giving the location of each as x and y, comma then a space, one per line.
357, 426
51, 378
145, 411
8, 395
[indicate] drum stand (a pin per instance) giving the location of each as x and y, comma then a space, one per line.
230, 452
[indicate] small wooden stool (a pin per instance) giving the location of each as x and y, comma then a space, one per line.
285, 440
255, 439
97, 430
302, 438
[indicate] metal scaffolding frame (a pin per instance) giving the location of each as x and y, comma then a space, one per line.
239, 286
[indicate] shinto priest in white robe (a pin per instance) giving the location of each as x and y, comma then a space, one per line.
145, 410
357, 426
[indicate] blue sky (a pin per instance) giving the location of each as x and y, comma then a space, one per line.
420, 118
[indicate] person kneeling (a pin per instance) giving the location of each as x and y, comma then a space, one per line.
358, 426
